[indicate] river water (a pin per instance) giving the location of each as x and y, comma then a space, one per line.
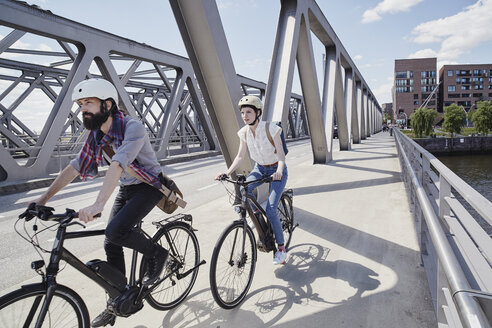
476, 170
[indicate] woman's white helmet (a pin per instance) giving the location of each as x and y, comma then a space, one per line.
98, 88
252, 101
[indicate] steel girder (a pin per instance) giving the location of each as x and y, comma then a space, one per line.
201, 28
155, 86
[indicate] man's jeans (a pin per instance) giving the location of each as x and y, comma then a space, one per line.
131, 205
276, 189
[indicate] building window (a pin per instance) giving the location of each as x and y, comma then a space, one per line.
477, 95
454, 95
463, 72
404, 75
451, 88
428, 81
478, 87
404, 89
428, 88
465, 87
404, 82
490, 79
428, 74
466, 95
415, 96
416, 102
476, 72
458, 80
450, 73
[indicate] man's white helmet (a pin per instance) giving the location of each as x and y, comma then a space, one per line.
98, 88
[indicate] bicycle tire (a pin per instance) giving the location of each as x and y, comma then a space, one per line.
184, 253
21, 307
231, 273
286, 216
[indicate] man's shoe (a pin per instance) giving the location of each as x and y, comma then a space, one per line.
280, 257
106, 317
155, 265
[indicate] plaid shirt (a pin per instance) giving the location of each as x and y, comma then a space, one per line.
91, 154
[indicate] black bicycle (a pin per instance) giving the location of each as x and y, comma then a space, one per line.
234, 257
49, 304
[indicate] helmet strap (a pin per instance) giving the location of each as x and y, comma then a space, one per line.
256, 118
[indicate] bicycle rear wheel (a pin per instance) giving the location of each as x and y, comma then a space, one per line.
232, 268
184, 253
286, 216
21, 308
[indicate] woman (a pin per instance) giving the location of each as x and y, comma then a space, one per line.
270, 161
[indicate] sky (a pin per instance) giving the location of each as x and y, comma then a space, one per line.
374, 32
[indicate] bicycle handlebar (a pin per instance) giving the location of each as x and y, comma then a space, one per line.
45, 213
241, 180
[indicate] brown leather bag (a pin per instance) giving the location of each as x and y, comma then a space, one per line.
170, 199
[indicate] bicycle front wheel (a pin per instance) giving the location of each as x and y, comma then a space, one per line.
233, 265
21, 308
286, 216
184, 254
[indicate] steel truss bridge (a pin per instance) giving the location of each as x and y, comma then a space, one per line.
41, 130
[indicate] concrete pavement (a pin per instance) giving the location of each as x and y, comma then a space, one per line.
354, 260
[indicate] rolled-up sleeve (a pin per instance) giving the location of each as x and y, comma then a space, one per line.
75, 162
131, 145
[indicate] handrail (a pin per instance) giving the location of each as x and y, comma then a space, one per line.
467, 306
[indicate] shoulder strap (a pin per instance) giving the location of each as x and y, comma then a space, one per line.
267, 127
166, 191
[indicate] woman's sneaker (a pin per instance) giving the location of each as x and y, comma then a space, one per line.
280, 257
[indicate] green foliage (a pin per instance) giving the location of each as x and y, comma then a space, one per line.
422, 121
482, 117
386, 118
454, 118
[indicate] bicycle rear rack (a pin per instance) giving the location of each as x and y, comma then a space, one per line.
176, 217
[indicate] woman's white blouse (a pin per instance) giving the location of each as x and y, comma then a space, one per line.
260, 148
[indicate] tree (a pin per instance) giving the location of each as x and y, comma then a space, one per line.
482, 117
454, 118
422, 121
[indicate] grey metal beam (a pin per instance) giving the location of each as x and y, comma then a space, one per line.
309, 83
212, 62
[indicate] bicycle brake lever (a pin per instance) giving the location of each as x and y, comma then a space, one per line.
76, 222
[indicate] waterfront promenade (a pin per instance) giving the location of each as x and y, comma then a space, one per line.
354, 259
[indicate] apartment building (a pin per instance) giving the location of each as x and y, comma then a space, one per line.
464, 85
414, 86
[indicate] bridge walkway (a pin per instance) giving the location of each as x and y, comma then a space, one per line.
354, 259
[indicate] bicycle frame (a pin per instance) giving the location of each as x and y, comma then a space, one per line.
59, 252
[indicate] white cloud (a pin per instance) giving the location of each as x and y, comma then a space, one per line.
456, 34
383, 91
387, 7
357, 57
424, 53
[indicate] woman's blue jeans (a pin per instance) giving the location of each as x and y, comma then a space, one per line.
276, 189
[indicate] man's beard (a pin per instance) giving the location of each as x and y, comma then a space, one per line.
94, 121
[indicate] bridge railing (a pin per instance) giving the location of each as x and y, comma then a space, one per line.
456, 250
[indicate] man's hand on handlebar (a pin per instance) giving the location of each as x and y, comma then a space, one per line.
89, 213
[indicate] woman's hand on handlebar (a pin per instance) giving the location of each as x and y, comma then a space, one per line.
277, 176
89, 213
221, 176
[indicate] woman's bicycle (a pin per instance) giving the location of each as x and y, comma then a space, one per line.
234, 257
49, 304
